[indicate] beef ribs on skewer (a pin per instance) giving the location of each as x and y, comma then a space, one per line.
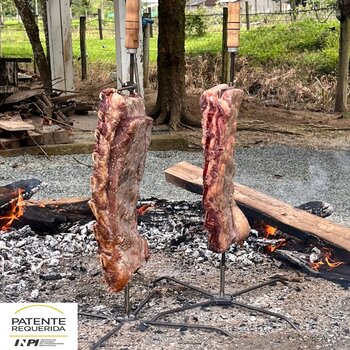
122, 138
224, 221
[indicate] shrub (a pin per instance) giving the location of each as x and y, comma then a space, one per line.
196, 24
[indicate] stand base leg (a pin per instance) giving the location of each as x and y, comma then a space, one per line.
227, 300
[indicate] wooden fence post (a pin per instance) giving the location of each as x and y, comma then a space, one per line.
146, 37
225, 66
247, 20
83, 47
293, 8
100, 24
343, 64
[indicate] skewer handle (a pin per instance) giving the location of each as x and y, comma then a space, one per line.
233, 24
132, 24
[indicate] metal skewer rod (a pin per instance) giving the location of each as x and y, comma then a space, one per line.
232, 68
127, 299
222, 274
132, 68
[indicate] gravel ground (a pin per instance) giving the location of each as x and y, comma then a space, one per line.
65, 267
295, 175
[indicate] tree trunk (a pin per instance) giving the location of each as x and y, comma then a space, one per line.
32, 30
341, 104
171, 106
43, 9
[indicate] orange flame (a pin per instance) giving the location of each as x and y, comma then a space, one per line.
327, 260
144, 209
271, 231
16, 211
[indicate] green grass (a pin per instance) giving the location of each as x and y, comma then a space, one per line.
304, 43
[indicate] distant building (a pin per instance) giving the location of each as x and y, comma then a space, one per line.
263, 6
151, 4
208, 4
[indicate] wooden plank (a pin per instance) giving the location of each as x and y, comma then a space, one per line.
9, 143
15, 125
189, 177
22, 95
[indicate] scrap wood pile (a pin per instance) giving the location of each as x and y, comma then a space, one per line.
33, 117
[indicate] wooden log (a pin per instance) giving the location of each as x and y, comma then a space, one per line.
261, 206
40, 220
9, 193
71, 209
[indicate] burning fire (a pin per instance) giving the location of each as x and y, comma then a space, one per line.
16, 211
270, 233
144, 209
325, 259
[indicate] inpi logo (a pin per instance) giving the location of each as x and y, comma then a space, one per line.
27, 342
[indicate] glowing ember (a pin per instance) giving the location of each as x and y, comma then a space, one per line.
16, 211
327, 260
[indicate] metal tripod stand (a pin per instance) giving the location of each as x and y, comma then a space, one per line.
221, 299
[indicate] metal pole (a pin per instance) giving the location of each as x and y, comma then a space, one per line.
83, 47
146, 38
127, 299
132, 66
222, 274
232, 68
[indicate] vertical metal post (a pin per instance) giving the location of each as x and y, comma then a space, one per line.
146, 38
127, 299
83, 47
222, 274
232, 68
132, 66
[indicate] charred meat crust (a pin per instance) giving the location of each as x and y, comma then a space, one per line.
224, 221
122, 138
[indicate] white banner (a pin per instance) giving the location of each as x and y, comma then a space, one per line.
44, 326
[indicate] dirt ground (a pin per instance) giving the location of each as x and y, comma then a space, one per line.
259, 124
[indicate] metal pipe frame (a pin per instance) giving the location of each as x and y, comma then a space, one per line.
221, 300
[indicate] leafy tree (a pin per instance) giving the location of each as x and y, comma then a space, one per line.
27, 15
